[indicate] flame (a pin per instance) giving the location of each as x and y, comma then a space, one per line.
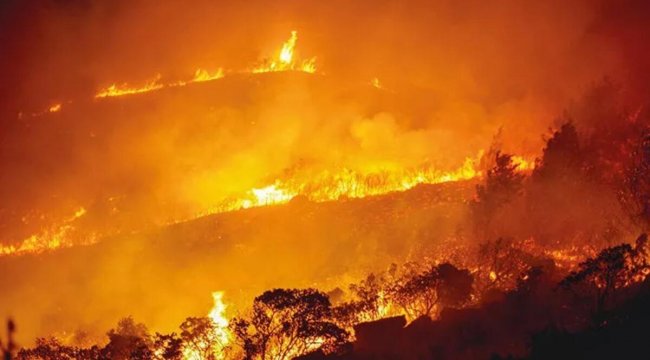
124, 89
286, 60
286, 54
328, 185
221, 337
217, 314
202, 75
570, 257
523, 164
271, 195
345, 183
55, 108
51, 238
384, 306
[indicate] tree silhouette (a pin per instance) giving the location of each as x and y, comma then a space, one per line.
52, 349
562, 155
8, 349
635, 192
417, 293
614, 267
200, 336
286, 323
130, 340
369, 300
500, 262
421, 294
502, 184
455, 285
168, 347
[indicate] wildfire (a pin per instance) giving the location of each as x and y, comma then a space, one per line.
523, 164
217, 315
286, 61
271, 195
54, 237
345, 183
220, 337
54, 108
376, 83
202, 75
124, 89
328, 185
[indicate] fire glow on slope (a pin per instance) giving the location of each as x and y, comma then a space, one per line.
285, 60
54, 237
344, 183
319, 186
326, 186
329, 186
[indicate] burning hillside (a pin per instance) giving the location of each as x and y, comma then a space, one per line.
206, 187
328, 180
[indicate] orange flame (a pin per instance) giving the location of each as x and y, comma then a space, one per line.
202, 75
523, 164
54, 237
218, 316
124, 89
286, 59
221, 336
55, 108
346, 183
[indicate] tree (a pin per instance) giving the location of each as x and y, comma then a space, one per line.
500, 262
502, 184
130, 340
421, 294
48, 348
562, 155
369, 303
614, 268
455, 285
200, 337
286, 323
416, 293
8, 349
635, 192
168, 347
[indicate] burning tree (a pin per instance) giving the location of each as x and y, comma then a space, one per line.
370, 300
200, 338
286, 323
167, 347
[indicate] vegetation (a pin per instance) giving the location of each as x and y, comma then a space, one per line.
519, 293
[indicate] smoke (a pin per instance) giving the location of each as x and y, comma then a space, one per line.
452, 74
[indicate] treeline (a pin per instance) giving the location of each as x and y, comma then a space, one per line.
604, 294
546, 270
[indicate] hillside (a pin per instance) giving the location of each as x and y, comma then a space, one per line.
162, 275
